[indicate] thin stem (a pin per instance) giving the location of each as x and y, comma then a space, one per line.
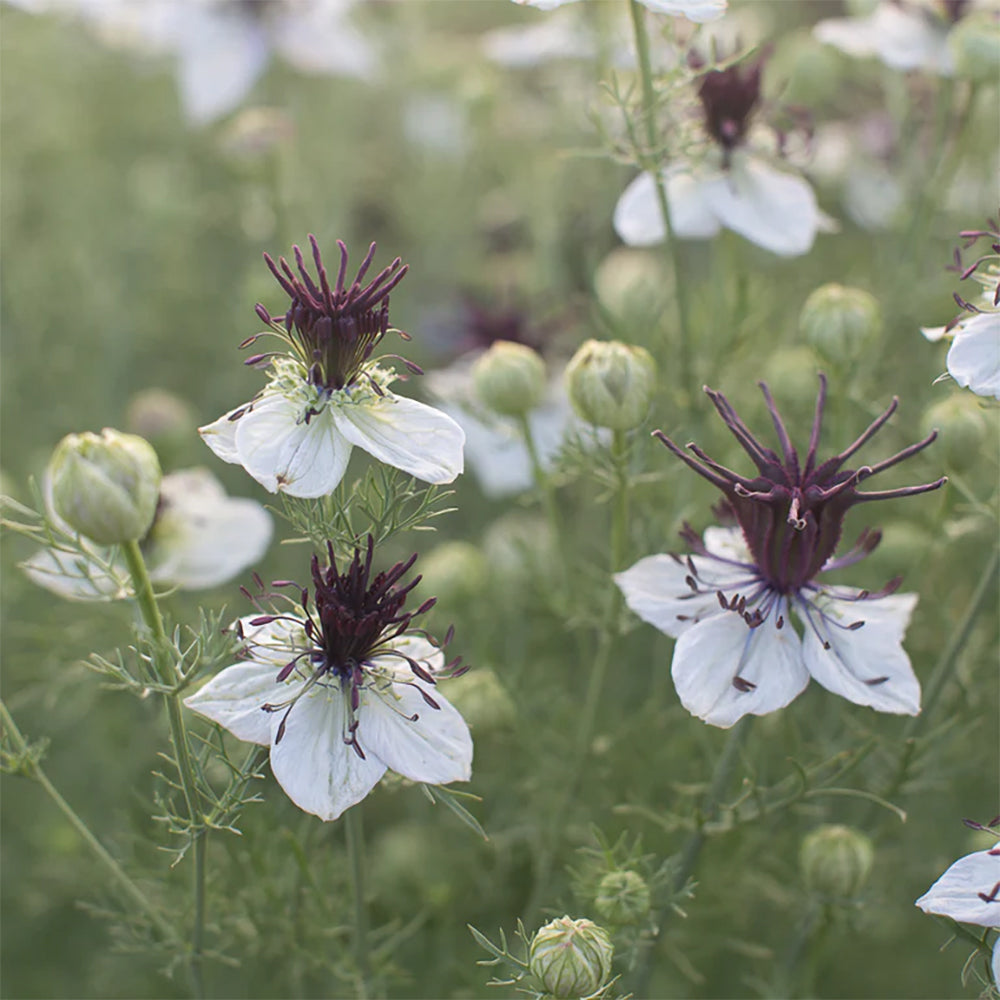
697, 838
942, 673
353, 823
134, 893
649, 114
146, 600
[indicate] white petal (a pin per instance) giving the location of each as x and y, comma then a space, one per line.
857, 658
956, 893
405, 434
974, 355
639, 221
220, 58
286, 454
995, 961
655, 589
774, 209
320, 772
75, 577
496, 454
933, 333
416, 647
728, 543
201, 537
910, 38
855, 36
543, 4
710, 655
694, 10
220, 436
318, 38
435, 746
234, 698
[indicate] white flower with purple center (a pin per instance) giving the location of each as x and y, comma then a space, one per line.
974, 355
698, 11
730, 603
733, 188
340, 688
969, 892
328, 393
903, 35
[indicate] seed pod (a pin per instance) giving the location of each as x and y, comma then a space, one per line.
571, 958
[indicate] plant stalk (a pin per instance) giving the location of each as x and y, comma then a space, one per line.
354, 826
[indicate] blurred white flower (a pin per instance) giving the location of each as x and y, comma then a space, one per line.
732, 188
222, 47
969, 892
904, 36
974, 356
200, 538
693, 10
328, 394
342, 692
730, 603
494, 445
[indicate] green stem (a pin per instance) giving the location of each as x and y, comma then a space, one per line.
353, 823
696, 839
150, 611
134, 893
942, 674
673, 248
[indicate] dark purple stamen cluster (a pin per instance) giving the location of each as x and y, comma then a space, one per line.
332, 329
965, 271
955, 9
355, 618
729, 97
792, 513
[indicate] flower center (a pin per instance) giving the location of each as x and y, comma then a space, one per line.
728, 98
332, 330
791, 512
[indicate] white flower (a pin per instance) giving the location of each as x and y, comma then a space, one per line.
969, 892
222, 47
328, 394
773, 208
730, 603
200, 538
904, 36
495, 445
343, 693
974, 356
694, 10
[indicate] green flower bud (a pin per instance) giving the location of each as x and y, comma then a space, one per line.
628, 280
611, 384
482, 700
836, 860
974, 43
571, 958
962, 429
510, 378
452, 572
840, 322
105, 485
623, 898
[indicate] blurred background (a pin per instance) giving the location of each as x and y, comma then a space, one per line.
150, 156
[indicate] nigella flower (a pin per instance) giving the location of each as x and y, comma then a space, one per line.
974, 355
730, 603
694, 10
904, 36
969, 892
200, 537
340, 688
733, 188
328, 393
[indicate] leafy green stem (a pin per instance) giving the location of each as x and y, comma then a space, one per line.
641, 35
353, 824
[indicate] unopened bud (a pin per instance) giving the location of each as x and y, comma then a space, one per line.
611, 384
962, 429
840, 322
105, 485
836, 860
571, 958
623, 898
510, 378
974, 43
